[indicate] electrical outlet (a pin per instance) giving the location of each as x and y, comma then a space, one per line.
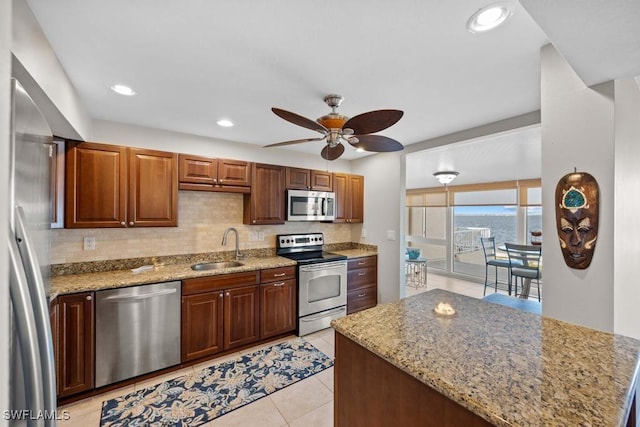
90, 243
253, 236
261, 236
363, 234
391, 235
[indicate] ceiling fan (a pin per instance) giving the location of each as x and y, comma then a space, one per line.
338, 129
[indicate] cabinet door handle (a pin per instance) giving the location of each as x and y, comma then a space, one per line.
362, 263
279, 284
89, 298
221, 294
364, 294
123, 223
254, 221
131, 222
279, 274
222, 180
228, 294
364, 273
215, 180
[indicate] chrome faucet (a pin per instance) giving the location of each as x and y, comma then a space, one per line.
224, 241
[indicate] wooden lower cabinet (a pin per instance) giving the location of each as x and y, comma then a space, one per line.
205, 311
74, 343
241, 316
362, 284
219, 313
277, 308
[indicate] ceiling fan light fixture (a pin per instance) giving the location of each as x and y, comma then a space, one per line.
489, 17
333, 121
445, 177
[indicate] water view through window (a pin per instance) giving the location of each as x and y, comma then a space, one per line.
470, 223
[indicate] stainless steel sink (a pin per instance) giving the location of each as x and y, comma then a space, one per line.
215, 265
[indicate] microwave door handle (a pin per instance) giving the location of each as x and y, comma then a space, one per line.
324, 206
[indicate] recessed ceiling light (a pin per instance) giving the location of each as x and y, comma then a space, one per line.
489, 17
123, 90
225, 123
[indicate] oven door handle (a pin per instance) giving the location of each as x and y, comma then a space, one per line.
324, 266
323, 314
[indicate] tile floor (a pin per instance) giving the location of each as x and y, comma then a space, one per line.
308, 403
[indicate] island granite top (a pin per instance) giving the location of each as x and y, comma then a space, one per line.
510, 367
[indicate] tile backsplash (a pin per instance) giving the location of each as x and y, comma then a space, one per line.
202, 219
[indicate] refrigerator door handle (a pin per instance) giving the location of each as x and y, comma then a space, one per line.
27, 334
40, 310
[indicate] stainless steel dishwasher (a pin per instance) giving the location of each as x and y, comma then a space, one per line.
137, 331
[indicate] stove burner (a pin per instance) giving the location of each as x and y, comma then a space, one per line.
304, 248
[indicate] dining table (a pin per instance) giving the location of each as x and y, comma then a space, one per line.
526, 282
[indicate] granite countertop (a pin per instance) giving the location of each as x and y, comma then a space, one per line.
355, 253
511, 367
72, 283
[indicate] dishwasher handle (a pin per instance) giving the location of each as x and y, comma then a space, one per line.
117, 298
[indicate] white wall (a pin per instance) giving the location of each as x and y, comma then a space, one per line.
36, 66
383, 205
5, 74
144, 137
627, 206
577, 131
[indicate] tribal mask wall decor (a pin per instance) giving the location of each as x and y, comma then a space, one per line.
577, 209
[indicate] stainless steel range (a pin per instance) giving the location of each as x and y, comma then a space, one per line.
322, 280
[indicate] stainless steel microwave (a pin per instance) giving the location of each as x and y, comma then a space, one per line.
305, 205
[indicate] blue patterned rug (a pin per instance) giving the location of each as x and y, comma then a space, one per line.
199, 397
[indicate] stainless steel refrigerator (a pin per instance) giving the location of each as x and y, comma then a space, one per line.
32, 376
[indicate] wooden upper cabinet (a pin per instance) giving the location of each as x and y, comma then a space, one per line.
207, 174
349, 191
153, 188
356, 188
308, 179
266, 203
96, 193
112, 186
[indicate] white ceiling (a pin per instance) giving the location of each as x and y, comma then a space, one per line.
504, 157
195, 62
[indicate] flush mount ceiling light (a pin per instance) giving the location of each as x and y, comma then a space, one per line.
445, 177
123, 90
489, 17
225, 123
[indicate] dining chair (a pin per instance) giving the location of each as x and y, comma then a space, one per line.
525, 264
490, 259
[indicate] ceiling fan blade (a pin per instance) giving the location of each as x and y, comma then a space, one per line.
295, 141
329, 153
373, 121
297, 119
376, 143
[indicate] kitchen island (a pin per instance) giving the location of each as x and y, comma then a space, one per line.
403, 364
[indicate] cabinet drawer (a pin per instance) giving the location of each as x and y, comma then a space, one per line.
361, 277
277, 274
361, 299
369, 261
223, 281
